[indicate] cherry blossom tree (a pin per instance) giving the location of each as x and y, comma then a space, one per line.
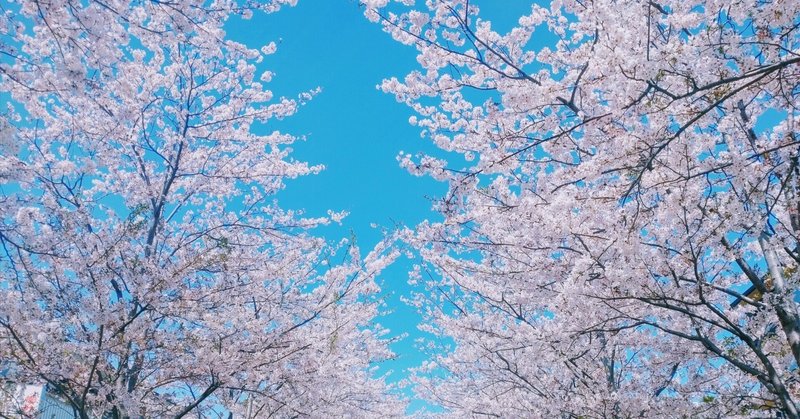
147, 270
620, 235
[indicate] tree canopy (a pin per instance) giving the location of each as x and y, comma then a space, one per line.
620, 238
146, 269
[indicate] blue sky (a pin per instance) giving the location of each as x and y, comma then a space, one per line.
355, 130
352, 128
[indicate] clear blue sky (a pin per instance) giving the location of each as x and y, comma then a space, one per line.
352, 128
355, 130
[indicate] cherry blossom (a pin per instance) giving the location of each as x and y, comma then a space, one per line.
620, 238
147, 270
